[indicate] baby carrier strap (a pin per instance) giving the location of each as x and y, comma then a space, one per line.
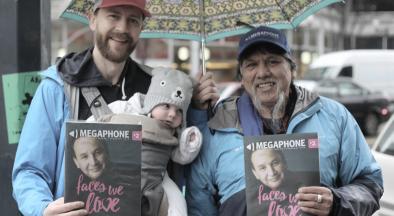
93, 98
95, 101
72, 95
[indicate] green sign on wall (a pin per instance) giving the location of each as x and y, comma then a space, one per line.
18, 89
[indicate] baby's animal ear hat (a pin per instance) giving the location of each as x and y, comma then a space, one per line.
169, 86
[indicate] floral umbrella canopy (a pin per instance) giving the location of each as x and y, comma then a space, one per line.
206, 20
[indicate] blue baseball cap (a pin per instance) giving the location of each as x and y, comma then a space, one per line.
263, 34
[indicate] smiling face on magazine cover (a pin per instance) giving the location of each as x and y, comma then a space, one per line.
268, 166
90, 156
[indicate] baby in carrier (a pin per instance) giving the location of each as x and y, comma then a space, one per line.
162, 114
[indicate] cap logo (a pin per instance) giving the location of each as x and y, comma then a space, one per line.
262, 33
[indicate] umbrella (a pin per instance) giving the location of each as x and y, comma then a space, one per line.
207, 20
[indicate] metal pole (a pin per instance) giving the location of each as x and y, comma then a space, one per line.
45, 33
385, 39
8, 64
194, 58
202, 29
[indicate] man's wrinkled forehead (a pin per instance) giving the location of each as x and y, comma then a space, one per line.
127, 10
262, 48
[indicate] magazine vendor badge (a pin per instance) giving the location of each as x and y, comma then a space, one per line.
275, 167
103, 167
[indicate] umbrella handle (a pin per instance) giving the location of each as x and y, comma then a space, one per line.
204, 71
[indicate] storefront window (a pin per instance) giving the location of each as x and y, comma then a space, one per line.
373, 5
390, 43
368, 43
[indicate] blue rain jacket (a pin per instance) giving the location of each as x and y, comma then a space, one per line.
347, 166
38, 173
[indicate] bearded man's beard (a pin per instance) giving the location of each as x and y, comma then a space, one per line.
115, 55
277, 112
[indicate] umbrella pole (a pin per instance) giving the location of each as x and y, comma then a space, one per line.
204, 68
202, 41
204, 71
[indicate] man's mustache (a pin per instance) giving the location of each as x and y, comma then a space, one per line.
121, 36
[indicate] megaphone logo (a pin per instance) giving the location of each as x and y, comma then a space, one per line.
73, 133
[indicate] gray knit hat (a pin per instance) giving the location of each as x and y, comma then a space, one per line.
169, 86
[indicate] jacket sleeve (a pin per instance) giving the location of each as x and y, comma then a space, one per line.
198, 118
199, 178
34, 171
360, 178
361, 197
199, 191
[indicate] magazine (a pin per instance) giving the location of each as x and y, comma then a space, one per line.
103, 167
275, 167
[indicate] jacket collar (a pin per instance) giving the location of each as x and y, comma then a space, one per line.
226, 117
80, 68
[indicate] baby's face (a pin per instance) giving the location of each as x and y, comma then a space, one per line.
169, 114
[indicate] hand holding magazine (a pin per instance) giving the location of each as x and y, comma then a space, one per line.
275, 167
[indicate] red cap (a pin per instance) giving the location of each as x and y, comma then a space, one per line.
140, 4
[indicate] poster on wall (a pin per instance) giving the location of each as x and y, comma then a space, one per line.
18, 89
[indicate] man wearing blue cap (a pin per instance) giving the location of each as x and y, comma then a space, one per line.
351, 180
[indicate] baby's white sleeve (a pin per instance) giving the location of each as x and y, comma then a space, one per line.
189, 146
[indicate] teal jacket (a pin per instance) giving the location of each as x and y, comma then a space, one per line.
38, 172
346, 163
